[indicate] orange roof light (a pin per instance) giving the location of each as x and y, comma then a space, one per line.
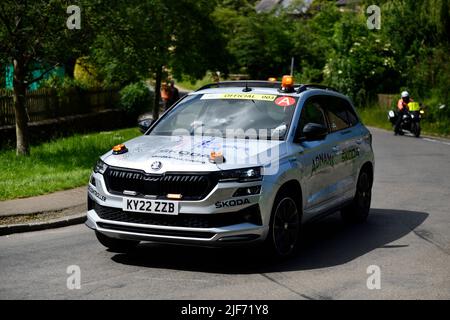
119, 149
272, 79
287, 82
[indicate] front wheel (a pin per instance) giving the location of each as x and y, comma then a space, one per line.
358, 210
116, 245
284, 229
417, 129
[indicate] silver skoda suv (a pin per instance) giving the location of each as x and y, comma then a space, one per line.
235, 163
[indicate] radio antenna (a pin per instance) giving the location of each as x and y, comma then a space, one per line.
247, 89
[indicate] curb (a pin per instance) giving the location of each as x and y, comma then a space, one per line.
27, 227
80, 206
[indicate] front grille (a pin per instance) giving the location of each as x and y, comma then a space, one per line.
190, 186
217, 220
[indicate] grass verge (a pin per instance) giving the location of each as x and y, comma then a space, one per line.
61, 164
188, 85
375, 117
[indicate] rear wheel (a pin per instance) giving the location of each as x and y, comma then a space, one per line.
282, 240
358, 210
116, 245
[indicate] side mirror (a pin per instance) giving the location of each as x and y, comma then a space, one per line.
314, 132
144, 124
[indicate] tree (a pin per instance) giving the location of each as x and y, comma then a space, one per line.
312, 40
143, 38
260, 43
33, 34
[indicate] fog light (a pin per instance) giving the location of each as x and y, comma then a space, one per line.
247, 191
174, 196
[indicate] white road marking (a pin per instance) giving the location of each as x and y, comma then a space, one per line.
436, 141
425, 139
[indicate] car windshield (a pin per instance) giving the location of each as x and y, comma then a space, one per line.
247, 115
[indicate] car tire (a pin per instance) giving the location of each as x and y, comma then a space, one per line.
358, 210
285, 224
116, 245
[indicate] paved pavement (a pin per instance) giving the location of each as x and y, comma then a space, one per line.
407, 237
47, 203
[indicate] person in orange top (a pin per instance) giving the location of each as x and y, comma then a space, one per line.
402, 106
174, 94
165, 95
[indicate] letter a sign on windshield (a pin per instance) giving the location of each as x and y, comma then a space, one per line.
285, 101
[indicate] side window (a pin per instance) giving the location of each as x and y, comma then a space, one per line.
336, 113
312, 112
351, 115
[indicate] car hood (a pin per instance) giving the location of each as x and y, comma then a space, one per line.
192, 153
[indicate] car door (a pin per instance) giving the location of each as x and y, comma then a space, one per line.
316, 158
353, 156
344, 146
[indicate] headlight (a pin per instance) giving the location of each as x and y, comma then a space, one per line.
100, 167
241, 175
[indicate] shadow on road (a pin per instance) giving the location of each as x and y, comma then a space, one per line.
325, 243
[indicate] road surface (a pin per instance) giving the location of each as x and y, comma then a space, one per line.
407, 237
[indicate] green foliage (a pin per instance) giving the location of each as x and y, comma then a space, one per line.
59, 84
421, 47
361, 64
189, 84
86, 75
375, 116
34, 33
141, 37
136, 98
335, 46
311, 41
259, 43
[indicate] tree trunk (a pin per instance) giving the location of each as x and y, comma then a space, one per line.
19, 93
69, 67
157, 93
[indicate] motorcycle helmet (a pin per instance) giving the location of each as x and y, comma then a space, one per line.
405, 94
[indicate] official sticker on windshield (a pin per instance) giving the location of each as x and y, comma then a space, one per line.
285, 101
239, 96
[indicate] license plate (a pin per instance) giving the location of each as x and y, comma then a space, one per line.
150, 206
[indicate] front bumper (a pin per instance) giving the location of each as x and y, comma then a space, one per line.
215, 236
199, 222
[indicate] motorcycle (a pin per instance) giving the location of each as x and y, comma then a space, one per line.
411, 118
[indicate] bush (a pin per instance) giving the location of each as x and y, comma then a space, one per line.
136, 98
362, 63
85, 74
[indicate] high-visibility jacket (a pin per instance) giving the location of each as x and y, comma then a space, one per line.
401, 104
414, 106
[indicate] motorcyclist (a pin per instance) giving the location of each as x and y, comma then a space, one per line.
402, 106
